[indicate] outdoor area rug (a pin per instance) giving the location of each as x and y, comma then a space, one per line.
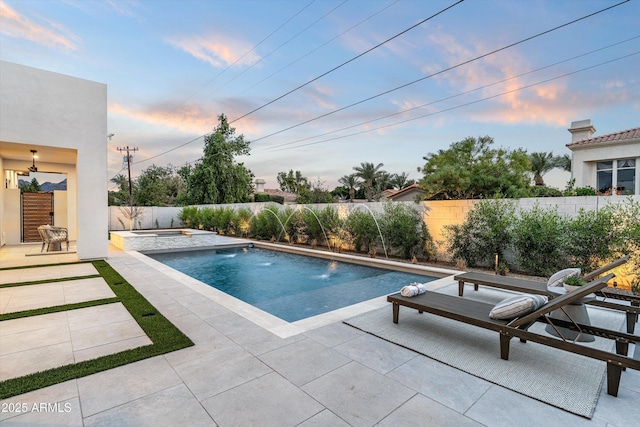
559, 378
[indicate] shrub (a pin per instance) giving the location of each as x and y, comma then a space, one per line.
539, 241
586, 191
544, 191
261, 197
363, 230
591, 238
189, 216
485, 232
266, 224
404, 230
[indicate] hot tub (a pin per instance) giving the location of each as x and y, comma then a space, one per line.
162, 239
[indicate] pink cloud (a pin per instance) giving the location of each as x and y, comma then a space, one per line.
216, 50
18, 26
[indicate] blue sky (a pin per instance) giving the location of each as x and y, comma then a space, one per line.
173, 66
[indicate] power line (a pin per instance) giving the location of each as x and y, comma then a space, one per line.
452, 96
283, 44
439, 72
311, 81
347, 62
462, 105
319, 47
399, 87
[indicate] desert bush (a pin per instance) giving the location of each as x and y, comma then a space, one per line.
485, 232
189, 216
404, 230
266, 225
363, 230
539, 239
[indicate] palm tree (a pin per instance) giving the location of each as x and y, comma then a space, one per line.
563, 162
351, 182
401, 181
541, 163
368, 172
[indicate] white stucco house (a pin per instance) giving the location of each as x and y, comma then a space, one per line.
64, 120
609, 163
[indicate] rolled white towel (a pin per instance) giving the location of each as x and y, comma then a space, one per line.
413, 289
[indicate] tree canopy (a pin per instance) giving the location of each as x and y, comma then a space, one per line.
32, 187
217, 177
158, 186
293, 182
471, 169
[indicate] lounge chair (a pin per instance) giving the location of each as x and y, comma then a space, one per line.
540, 288
477, 313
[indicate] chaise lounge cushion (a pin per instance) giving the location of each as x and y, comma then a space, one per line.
516, 306
557, 278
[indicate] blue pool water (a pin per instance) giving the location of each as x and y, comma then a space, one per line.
289, 286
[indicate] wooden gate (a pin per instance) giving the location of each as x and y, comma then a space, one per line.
37, 210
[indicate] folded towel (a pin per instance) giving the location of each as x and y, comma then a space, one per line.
413, 290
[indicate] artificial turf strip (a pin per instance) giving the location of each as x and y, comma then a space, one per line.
164, 335
39, 282
56, 309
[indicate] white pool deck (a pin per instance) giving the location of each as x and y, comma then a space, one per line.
243, 371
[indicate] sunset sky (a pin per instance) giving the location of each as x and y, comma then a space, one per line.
319, 87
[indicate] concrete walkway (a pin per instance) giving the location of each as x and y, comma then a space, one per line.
240, 374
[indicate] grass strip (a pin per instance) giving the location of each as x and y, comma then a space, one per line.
43, 281
56, 309
164, 335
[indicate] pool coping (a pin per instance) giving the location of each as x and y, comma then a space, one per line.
280, 327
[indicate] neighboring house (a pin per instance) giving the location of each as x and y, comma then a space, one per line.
407, 194
62, 119
609, 163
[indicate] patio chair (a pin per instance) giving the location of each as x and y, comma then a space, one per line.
53, 237
477, 313
540, 288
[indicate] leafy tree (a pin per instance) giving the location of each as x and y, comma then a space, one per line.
32, 187
316, 193
369, 173
158, 186
350, 182
541, 163
217, 177
472, 169
293, 182
121, 196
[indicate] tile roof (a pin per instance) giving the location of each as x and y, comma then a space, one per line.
615, 137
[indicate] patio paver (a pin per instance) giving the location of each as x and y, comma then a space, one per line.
205, 385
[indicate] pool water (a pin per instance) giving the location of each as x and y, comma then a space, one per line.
289, 286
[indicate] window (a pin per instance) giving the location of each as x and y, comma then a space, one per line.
626, 182
605, 176
618, 175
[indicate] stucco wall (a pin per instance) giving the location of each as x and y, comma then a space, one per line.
48, 109
583, 167
436, 213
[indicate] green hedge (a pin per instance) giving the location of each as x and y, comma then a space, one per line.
544, 241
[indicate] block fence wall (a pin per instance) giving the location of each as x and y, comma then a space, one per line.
436, 213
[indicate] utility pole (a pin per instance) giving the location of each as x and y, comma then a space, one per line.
128, 158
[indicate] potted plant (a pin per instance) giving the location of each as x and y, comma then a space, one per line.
573, 282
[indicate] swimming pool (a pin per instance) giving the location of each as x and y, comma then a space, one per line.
289, 286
